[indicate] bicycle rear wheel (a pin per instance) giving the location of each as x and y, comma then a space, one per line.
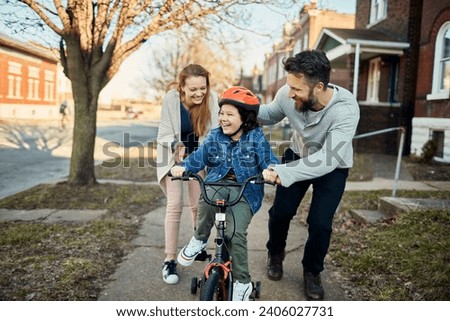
214, 288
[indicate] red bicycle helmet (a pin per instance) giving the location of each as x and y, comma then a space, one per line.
240, 97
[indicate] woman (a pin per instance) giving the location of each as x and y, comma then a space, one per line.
187, 114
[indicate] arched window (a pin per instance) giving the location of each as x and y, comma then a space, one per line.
441, 70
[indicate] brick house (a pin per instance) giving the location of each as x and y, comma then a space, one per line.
395, 71
431, 119
298, 35
28, 80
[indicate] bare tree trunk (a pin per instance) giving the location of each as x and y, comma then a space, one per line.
82, 159
86, 89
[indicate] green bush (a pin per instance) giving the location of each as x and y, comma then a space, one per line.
429, 150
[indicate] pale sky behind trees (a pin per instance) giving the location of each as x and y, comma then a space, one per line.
265, 19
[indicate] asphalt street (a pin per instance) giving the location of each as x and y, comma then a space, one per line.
34, 153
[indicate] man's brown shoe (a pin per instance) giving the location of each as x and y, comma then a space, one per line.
313, 286
275, 266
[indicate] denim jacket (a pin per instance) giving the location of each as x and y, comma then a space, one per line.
249, 156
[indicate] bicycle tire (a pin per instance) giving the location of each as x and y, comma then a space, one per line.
194, 285
212, 289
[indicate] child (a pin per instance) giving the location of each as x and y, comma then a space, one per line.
234, 151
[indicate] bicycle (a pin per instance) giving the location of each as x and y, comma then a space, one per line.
216, 283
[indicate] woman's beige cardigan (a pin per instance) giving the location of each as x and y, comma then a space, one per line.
169, 131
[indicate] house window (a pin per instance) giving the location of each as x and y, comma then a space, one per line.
305, 41
33, 83
438, 139
49, 85
373, 83
378, 11
14, 80
441, 70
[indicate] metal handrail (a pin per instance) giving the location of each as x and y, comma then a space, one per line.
400, 149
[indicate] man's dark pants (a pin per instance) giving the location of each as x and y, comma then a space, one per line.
327, 193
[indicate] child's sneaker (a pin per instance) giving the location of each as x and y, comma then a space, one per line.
242, 291
189, 252
169, 272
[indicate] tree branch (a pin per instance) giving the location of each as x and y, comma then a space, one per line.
38, 8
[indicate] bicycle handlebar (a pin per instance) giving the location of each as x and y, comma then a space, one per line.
255, 179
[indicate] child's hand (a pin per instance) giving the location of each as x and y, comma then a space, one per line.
177, 171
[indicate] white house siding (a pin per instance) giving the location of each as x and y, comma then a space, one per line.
13, 111
421, 133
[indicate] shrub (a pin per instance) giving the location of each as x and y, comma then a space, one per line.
429, 150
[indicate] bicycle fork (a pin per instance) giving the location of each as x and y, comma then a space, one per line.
222, 263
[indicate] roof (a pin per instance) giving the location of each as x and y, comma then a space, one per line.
28, 48
361, 35
341, 42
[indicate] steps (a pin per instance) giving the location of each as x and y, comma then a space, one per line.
389, 207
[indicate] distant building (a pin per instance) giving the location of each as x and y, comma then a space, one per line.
28, 80
431, 120
302, 34
398, 62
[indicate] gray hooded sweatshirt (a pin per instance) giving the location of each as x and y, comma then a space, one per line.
322, 139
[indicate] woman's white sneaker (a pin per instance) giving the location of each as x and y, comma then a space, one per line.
169, 272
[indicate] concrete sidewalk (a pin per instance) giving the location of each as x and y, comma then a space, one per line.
139, 276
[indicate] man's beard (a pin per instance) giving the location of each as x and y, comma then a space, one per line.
304, 106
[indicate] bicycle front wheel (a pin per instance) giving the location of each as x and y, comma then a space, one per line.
214, 289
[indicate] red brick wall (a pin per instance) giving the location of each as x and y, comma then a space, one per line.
341, 77
34, 62
433, 10
395, 24
362, 14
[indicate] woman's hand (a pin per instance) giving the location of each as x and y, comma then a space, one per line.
179, 152
177, 171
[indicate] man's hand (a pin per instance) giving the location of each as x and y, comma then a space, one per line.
271, 176
177, 171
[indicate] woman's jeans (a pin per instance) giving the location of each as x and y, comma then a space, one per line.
326, 195
174, 209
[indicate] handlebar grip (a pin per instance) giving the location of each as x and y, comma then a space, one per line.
258, 179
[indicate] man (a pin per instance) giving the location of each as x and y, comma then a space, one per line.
324, 118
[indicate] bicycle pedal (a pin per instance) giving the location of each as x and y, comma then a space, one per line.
203, 256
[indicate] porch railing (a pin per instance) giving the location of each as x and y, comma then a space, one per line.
399, 154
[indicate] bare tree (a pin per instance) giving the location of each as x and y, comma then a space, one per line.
96, 36
184, 47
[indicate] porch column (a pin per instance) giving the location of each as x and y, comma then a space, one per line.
356, 71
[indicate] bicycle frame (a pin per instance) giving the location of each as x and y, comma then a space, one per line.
217, 280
